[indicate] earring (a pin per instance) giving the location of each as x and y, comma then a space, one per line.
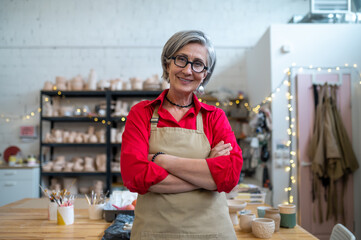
200, 89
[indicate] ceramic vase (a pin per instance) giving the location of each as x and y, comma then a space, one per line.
274, 213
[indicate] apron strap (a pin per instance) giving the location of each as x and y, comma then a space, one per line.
155, 119
200, 123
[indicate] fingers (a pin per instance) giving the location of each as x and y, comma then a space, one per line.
221, 146
221, 149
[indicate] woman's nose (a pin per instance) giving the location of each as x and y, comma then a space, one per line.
187, 69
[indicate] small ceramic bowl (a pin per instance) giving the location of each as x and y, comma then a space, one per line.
263, 227
261, 211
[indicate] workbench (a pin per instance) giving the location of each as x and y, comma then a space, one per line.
28, 219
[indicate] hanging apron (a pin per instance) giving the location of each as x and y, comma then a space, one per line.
198, 214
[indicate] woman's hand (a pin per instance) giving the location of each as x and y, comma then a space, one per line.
221, 149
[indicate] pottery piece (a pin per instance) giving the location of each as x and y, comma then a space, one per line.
100, 162
234, 206
92, 80
245, 222
165, 85
78, 164
48, 86
136, 83
261, 211
89, 164
77, 83
61, 83
93, 138
288, 215
152, 83
101, 136
69, 167
263, 227
274, 213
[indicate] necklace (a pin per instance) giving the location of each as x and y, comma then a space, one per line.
181, 106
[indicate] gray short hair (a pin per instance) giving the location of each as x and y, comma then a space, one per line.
179, 40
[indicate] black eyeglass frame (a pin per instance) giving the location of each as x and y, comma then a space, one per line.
174, 58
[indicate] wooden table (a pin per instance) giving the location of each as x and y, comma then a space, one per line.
28, 219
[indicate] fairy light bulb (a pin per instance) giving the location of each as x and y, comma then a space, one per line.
293, 120
310, 67
337, 68
200, 100
46, 99
355, 65
39, 109
346, 64
329, 70
7, 119
292, 161
32, 114
96, 119
319, 69
103, 121
293, 64
217, 104
237, 102
287, 118
286, 189
122, 119
293, 153
287, 169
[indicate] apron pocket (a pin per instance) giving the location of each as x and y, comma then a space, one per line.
179, 236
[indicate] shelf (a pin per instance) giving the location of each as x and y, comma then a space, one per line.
73, 174
74, 144
108, 121
75, 93
73, 119
125, 93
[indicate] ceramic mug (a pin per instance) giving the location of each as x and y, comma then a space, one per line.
288, 215
245, 222
261, 211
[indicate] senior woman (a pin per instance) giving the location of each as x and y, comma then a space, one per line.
181, 155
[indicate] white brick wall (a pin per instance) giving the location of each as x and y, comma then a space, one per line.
42, 39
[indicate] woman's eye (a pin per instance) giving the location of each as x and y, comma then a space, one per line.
198, 64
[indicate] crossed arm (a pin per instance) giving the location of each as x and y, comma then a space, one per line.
186, 174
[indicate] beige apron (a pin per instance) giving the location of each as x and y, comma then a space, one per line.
198, 214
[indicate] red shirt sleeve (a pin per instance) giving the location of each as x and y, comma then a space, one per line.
138, 173
225, 170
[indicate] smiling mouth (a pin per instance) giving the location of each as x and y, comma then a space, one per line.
185, 80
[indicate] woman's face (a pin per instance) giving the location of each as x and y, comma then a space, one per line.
185, 79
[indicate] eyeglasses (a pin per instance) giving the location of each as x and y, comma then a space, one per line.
182, 61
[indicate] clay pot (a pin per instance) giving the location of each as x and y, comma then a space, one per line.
77, 83
136, 83
263, 227
245, 222
48, 86
274, 213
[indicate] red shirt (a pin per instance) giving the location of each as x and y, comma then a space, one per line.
138, 173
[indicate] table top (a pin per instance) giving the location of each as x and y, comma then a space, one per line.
28, 218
